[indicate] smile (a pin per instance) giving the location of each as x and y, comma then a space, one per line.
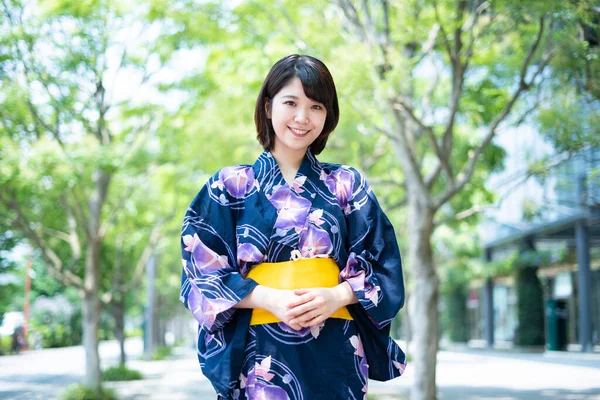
298, 132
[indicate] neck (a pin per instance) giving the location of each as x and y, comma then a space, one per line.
288, 161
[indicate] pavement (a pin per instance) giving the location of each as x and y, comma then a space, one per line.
463, 374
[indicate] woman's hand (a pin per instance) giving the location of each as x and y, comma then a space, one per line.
313, 306
279, 304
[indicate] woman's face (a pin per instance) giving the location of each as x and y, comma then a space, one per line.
297, 120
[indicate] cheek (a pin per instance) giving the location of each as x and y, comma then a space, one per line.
322, 121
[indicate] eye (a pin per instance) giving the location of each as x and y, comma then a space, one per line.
317, 107
289, 103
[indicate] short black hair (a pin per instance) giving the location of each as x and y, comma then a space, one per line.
318, 85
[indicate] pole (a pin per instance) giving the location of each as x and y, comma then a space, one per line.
26, 305
150, 276
583, 272
488, 304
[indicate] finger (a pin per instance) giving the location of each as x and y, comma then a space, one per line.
306, 318
301, 309
301, 300
295, 327
314, 322
301, 291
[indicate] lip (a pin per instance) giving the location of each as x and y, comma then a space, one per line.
298, 134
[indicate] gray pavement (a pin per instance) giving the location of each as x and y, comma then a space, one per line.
463, 374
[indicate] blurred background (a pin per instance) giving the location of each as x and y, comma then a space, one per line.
476, 122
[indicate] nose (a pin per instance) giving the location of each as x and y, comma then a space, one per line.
301, 117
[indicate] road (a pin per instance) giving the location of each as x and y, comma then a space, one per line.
464, 375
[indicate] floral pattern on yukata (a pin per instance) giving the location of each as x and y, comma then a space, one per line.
248, 214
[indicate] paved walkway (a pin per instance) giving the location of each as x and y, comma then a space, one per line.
464, 375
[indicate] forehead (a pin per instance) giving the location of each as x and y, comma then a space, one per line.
293, 90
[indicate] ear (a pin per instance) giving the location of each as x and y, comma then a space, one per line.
268, 108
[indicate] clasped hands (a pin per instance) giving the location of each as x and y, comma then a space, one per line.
304, 308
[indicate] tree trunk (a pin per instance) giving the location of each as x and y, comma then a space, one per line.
91, 319
424, 300
91, 301
119, 316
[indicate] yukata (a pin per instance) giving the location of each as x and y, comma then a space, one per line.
246, 215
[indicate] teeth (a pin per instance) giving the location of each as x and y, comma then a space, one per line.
299, 131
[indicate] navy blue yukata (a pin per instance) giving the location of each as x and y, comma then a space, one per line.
248, 214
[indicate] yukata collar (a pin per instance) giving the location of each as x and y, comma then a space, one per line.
268, 174
287, 207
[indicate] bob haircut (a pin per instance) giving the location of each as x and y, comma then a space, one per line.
318, 85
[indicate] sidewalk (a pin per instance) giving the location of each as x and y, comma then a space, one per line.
461, 375
178, 377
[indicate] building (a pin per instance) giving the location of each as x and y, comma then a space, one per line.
559, 217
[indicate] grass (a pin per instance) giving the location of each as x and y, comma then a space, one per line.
121, 373
162, 352
81, 392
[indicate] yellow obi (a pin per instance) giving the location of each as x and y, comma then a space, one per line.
298, 274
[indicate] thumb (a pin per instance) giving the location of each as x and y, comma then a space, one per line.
300, 292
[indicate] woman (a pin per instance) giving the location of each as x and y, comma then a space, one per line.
315, 327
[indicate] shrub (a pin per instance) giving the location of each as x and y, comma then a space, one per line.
162, 352
121, 373
5, 342
81, 392
530, 307
58, 320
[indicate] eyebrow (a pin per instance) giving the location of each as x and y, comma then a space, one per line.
291, 96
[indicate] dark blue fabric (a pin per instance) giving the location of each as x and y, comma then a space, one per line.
248, 214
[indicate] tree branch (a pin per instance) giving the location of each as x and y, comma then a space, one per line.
465, 175
53, 262
444, 34
407, 157
400, 105
351, 16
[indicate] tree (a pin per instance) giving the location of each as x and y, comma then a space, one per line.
67, 133
486, 57
428, 85
10, 284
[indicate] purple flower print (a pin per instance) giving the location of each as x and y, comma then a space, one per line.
360, 353
401, 367
356, 277
340, 182
206, 259
358, 347
261, 389
316, 217
292, 209
314, 241
205, 310
248, 253
286, 328
238, 180
313, 330
297, 184
353, 274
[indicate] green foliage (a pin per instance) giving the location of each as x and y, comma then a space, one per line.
5, 344
58, 319
81, 392
459, 258
9, 288
121, 373
454, 298
162, 352
134, 332
530, 307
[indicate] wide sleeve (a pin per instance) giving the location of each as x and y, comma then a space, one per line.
374, 267
211, 284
